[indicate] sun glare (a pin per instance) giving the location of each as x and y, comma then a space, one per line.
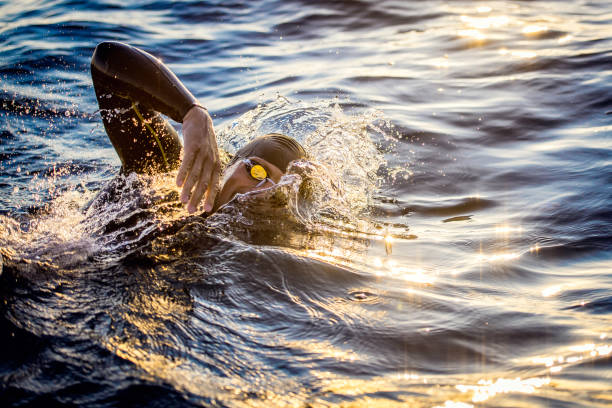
534, 29
486, 389
485, 22
475, 34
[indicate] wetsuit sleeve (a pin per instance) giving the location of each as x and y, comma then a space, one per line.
143, 78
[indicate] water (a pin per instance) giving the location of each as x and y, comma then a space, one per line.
454, 252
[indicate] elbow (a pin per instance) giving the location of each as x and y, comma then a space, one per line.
105, 53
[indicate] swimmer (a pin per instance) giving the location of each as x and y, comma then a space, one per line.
134, 89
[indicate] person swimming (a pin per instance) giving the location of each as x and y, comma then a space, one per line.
134, 89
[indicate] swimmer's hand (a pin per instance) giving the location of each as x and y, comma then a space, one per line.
200, 168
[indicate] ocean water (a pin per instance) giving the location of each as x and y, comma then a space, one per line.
453, 250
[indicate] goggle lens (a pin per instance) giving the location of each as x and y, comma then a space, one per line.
257, 171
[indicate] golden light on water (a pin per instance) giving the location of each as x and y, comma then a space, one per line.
547, 361
593, 349
473, 33
486, 389
553, 290
339, 251
502, 256
324, 349
526, 54
581, 348
455, 404
573, 355
534, 29
413, 275
290, 339
389, 243
485, 22
407, 376
506, 229
506, 232
441, 63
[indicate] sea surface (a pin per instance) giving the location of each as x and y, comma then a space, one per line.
448, 244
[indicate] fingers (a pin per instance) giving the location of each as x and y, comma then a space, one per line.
192, 178
186, 165
207, 184
196, 197
207, 176
213, 190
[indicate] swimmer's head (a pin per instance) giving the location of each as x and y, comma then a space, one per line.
259, 164
276, 148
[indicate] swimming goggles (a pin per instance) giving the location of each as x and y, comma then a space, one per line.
256, 171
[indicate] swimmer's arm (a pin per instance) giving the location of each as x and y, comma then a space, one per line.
143, 78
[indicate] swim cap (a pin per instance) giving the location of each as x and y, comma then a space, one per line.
278, 149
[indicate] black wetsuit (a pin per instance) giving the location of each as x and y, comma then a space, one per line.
133, 88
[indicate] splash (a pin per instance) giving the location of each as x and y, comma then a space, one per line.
78, 225
336, 184
54, 236
319, 202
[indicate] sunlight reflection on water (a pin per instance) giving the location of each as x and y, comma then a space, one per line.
460, 257
486, 389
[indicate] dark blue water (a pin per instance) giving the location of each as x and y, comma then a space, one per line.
454, 251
